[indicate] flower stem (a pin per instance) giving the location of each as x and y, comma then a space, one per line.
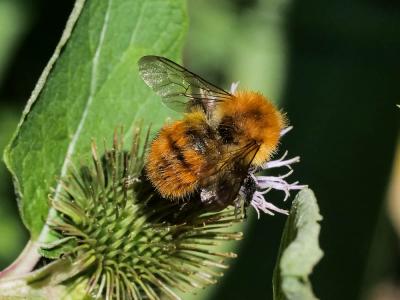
25, 262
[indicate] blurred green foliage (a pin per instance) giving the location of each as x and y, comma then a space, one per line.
229, 43
333, 67
12, 233
14, 20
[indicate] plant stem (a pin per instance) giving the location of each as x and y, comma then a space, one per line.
25, 262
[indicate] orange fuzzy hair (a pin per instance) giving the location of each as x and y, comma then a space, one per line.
256, 120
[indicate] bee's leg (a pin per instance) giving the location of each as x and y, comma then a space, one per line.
131, 180
207, 195
211, 199
248, 189
246, 193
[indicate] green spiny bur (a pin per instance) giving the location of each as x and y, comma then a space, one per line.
126, 240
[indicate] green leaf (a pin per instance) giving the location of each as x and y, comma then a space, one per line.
299, 250
89, 87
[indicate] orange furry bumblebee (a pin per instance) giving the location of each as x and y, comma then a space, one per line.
220, 137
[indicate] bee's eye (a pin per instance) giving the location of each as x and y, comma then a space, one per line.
226, 130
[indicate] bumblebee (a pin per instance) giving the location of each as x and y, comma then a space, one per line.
220, 138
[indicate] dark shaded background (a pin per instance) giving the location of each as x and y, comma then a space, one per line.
334, 68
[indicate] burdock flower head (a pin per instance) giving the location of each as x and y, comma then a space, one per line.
125, 242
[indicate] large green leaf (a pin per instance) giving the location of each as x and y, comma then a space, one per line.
90, 86
299, 251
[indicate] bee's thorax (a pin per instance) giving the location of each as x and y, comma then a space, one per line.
250, 118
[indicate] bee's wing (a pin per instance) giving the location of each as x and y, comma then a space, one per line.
232, 174
180, 89
240, 165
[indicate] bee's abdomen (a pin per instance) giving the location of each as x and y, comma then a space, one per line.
177, 157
